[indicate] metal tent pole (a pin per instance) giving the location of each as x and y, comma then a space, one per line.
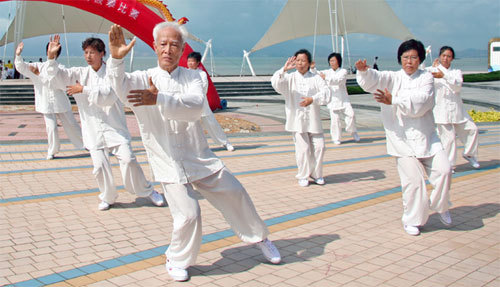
331, 23
246, 56
315, 29
5, 44
65, 38
19, 24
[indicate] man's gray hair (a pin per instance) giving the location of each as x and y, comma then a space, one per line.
176, 26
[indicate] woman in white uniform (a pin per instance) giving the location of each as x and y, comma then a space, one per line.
52, 103
340, 106
103, 124
208, 120
449, 113
407, 100
304, 93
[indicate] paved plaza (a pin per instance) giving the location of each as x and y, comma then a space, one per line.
345, 233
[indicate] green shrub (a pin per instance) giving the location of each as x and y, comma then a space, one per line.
492, 76
489, 116
355, 90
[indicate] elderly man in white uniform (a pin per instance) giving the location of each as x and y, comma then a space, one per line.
407, 99
449, 113
52, 103
103, 122
168, 102
208, 120
340, 105
304, 93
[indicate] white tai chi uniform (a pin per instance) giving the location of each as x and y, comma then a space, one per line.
412, 139
181, 160
104, 130
340, 106
208, 121
451, 118
304, 122
53, 104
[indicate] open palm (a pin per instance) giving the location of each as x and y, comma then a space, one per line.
117, 45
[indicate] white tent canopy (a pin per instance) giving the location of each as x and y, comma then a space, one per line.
297, 20
45, 18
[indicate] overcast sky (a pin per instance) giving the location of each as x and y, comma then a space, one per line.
235, 25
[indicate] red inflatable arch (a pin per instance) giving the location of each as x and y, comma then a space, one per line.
140, 21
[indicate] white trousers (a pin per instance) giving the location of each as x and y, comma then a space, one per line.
71, 128
336, 122
226, 194
132, 175
309, 153
416, 203
466, 132
215, 131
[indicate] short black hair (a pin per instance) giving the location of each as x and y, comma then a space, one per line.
95, 43
58, 52
337, 56
195, 55
444, 48
412, 45
307, 53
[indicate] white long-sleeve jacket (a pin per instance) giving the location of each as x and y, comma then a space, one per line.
171, 131
336, 80
449, 108
294, 86
204, 80
47, 100
101, 113
408, 122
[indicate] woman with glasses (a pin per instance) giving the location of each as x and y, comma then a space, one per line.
407, 100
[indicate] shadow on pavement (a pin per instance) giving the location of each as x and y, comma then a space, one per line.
374, 174
484, 164
240, 147
244, 258
464, 218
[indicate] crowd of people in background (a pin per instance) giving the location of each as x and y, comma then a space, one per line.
9, 71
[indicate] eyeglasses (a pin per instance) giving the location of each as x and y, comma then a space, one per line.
408, 58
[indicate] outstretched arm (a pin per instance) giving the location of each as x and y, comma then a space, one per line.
120, 81
181, 105
30, 71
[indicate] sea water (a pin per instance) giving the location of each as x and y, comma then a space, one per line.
235, 66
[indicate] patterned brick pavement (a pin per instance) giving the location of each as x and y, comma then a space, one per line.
346, 233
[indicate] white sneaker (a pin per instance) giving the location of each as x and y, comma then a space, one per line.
230, 147
178, 274
303, 182
156, 198
320, 181
269, 251
412, 230
104, 206
356, 137
445, 218
472, 160
336, 142
50, 156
